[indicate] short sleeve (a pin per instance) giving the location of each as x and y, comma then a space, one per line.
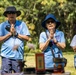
25, 30
1, 30
59, 35
42, 37
73, 42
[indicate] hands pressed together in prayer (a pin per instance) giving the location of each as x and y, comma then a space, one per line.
51, 36
13, 30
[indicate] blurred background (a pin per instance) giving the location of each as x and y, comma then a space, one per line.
34, 11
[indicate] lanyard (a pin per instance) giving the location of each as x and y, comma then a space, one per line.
50, 44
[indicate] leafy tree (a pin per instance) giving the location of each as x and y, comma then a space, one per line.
33, 13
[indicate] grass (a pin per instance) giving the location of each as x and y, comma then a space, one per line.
30, 61
70, 62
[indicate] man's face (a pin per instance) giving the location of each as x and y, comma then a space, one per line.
11, 16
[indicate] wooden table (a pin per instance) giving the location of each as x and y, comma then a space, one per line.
67, 73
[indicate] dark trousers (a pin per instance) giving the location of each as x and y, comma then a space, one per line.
10, 65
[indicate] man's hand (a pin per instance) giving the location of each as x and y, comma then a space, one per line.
12, 29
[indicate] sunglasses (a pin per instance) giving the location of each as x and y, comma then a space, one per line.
52, 21
11, 12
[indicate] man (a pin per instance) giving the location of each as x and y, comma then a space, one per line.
13, 33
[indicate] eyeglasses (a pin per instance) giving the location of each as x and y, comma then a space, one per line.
52, 21
10, 12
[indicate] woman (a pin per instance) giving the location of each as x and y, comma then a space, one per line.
52, 41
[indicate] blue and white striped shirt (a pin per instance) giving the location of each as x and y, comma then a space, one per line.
7, 46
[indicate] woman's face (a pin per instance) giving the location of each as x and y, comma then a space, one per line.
50, 24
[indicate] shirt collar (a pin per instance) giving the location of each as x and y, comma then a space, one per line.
16, 23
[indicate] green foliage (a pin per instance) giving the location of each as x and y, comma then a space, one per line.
33, 13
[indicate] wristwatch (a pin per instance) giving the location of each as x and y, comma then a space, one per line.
56, 42
16, 35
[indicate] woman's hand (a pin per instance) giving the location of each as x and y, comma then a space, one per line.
74, 48
51, 36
